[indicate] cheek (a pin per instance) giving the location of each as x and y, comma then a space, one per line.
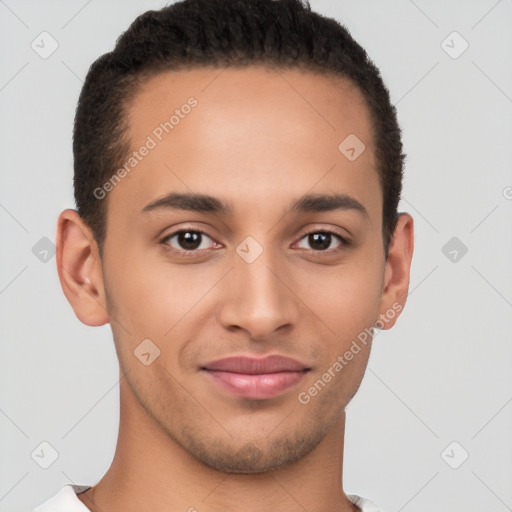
150, 296
347, 302
346, 298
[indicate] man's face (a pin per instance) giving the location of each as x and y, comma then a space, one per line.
264, 279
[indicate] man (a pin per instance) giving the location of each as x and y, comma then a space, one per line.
238, 168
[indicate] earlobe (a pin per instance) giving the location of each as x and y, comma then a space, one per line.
79, 269
397, 272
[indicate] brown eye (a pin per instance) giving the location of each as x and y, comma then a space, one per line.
187, 240
323, 240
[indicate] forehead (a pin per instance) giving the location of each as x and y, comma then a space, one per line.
250, 134
275, 98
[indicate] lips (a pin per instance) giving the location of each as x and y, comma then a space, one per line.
256, 378
256, 366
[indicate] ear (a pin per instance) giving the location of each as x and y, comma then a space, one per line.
397, 272
79, 268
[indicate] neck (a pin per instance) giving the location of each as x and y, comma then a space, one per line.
150, 471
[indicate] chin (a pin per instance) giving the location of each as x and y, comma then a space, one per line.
251, 458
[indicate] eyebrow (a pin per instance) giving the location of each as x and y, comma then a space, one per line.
205, 203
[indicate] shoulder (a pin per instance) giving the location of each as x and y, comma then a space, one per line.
364, 504
65, 500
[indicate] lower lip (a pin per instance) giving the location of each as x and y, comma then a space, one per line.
267, 385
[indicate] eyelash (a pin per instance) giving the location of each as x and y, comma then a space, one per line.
183, 252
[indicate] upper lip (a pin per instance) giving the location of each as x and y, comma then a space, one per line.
256, 366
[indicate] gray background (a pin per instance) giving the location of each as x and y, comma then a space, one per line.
443, 374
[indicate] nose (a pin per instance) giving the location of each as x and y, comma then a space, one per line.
257, 298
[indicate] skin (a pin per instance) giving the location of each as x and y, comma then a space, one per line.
258, 139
